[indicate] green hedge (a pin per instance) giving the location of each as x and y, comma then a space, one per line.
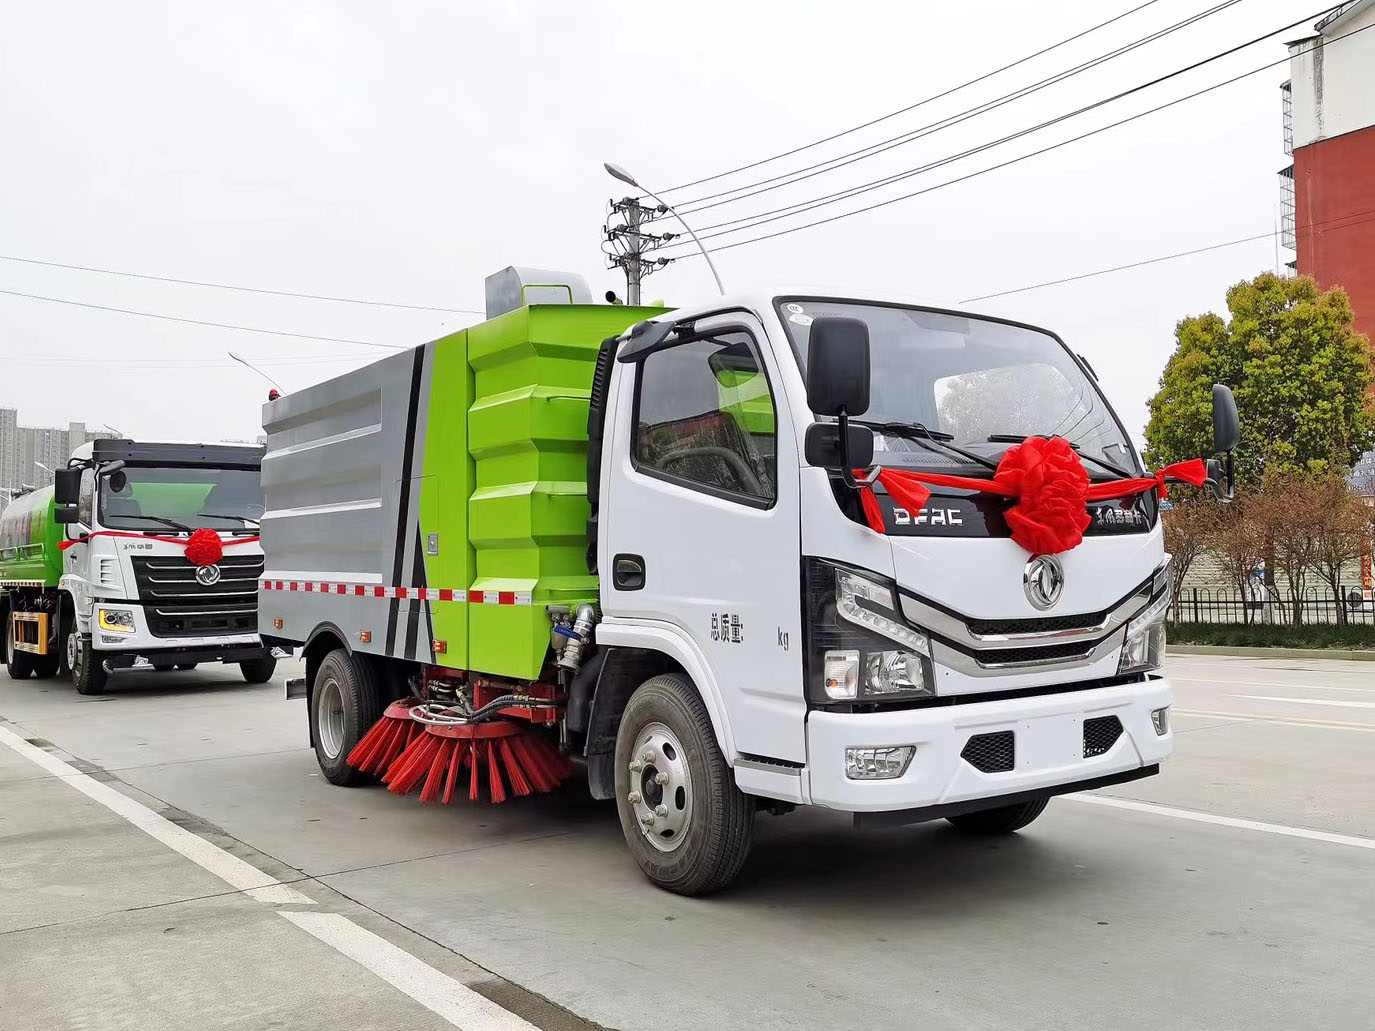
1262, 635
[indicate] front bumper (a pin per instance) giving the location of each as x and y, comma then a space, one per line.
229, 653
144, 642
1049, 747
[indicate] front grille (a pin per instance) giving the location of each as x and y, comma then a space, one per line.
1100, 734
1045, 625
176, 604
991, 753
1046, 653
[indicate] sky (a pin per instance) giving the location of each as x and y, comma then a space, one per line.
402, 152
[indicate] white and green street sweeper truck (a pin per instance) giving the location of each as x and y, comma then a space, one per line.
776, 550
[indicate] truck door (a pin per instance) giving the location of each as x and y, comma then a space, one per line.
701, 527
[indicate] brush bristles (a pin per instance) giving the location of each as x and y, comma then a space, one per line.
400, 750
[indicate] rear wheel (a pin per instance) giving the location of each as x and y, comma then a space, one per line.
345, 701
1002, 820
45, 667
88, 671
687, 824
258, 671
19, 665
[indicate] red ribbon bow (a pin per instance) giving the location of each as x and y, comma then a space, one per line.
203, 548
1051, 487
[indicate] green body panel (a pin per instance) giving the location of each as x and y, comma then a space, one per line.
445, 486
527, 437
29, 540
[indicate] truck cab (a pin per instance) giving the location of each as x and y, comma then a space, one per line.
121, 588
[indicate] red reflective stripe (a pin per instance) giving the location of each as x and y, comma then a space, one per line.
309, 586
475, 597
401, 592
359, 590
423, 593
379, 592
506, 597
445, 594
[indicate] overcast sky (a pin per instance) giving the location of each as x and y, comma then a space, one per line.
402, 151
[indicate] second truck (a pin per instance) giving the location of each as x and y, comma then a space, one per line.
657, 544
142, 555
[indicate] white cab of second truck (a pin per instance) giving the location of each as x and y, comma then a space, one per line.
129, 598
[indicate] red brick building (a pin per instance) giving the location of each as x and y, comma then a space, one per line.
1329, 217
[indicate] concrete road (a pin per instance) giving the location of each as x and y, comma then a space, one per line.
1233, 891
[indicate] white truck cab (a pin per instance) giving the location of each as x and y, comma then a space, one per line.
132, 597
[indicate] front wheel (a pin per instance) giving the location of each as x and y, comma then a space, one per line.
687, 824
1002, 820
88, 671
258, 671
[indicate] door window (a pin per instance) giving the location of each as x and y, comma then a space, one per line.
705, 418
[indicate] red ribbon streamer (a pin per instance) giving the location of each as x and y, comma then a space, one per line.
199, 549
1048, 480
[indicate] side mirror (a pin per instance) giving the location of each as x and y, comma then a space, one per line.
67, 486
838, 367
822, 446
65, 514
1226, 422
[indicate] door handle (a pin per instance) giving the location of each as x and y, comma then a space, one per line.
628, 572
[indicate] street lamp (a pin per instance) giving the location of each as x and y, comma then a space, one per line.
617, 172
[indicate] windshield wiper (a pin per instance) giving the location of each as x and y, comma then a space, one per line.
937, 441
158, 519
1012, 438
220, 515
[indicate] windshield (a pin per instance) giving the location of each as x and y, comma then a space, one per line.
149, 498
972, 379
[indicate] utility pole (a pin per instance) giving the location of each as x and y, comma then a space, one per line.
627, 244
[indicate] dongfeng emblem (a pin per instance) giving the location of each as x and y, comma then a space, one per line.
207, 576
1044, 581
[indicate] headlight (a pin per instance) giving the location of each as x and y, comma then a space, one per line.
120, 621
1145, 647
852, 627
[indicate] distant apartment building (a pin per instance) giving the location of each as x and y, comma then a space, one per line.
29, 453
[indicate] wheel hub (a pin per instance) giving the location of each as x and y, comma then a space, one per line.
661, 787
71, 651
329, 713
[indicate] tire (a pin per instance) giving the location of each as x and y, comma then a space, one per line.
349, 696
45, 667
19, 665
187, 667
258, 671
1002, 820
715, 818
163, 668
88, 673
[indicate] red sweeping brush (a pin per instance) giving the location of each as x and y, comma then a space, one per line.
435, 756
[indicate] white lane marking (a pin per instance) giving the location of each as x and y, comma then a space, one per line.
237, 873
436, 991
1287, 721
1306, 701
1221, 821
1269, 683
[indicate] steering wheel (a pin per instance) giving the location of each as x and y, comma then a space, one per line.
737, 465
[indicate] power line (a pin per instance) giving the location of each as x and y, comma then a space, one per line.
765, 217
910, 107
241, 289
1003, 164
921, 132
1179, 254
202, 322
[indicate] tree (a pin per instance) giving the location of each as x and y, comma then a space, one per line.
1300, 373
1342, 524
1240, 541
1190, 529
1285, 514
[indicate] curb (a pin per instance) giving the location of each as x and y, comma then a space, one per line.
1351, 654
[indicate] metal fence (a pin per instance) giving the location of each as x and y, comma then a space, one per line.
1207, 605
